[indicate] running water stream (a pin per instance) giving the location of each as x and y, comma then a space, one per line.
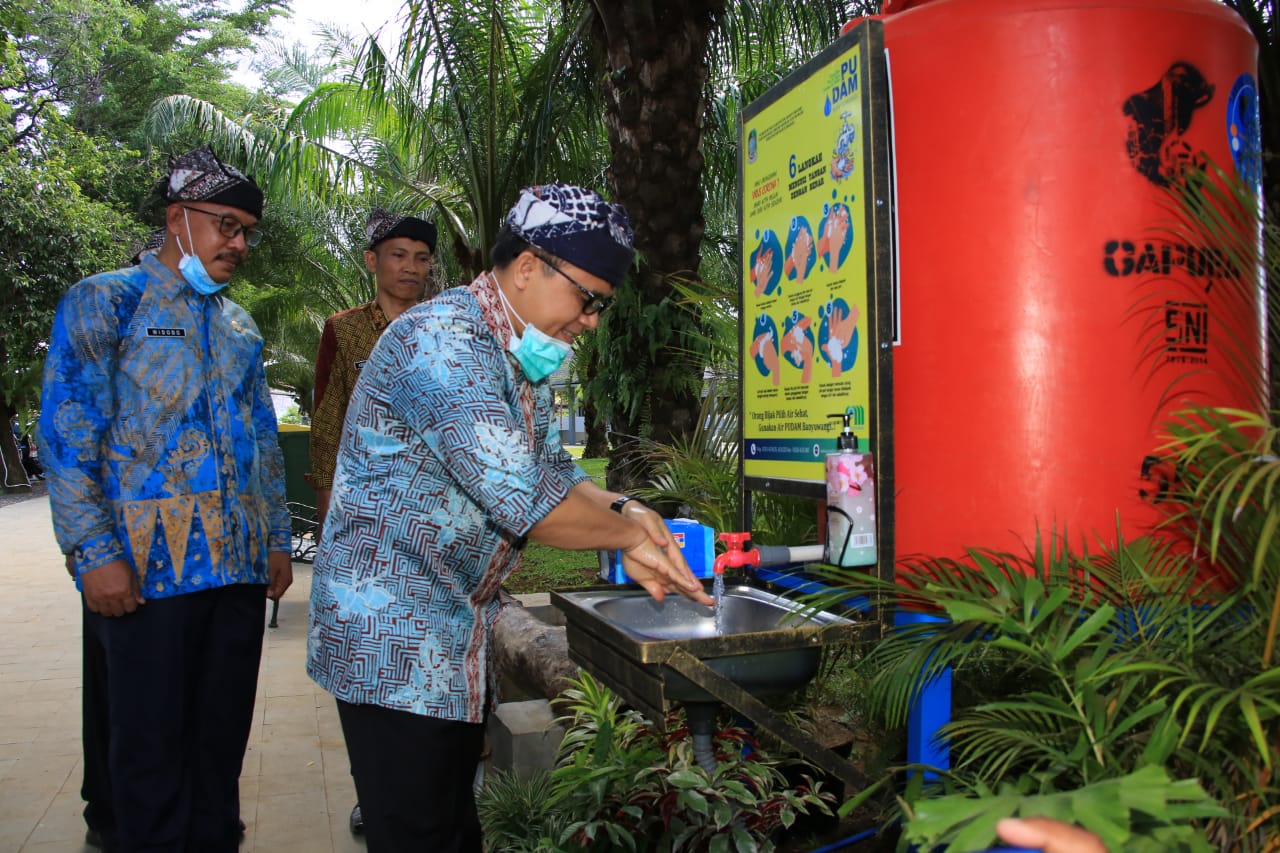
717, 592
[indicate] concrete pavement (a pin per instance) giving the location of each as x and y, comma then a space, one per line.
295, 791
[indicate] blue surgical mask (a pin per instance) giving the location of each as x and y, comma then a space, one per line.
192, 268
538, 354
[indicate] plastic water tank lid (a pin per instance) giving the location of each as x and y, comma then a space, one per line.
891, 7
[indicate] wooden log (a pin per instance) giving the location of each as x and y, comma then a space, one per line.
531, 653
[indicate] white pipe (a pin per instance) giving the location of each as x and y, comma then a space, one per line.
779, 555
806, 553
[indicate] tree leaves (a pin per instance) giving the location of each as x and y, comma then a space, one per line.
1074, 668
1140, 811
623, 783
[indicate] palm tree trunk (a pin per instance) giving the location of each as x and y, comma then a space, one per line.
597, 442
13, 477
656, 56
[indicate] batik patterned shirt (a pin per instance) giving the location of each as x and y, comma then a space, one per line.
158, 435
345, 344
447, 458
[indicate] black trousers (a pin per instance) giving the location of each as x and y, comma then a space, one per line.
95, 789
181, 677
414, 778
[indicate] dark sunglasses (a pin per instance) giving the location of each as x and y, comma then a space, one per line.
230, 227
595, 302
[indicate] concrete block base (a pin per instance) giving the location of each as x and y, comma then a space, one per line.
524, 737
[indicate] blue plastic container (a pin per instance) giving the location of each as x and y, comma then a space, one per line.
696, 541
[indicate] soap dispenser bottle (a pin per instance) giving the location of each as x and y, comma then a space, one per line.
851, 501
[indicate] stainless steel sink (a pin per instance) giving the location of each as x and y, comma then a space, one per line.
769, 644
744, 610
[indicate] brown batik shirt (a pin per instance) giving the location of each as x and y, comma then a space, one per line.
345, 345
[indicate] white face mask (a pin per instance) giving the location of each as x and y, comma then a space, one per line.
538, 354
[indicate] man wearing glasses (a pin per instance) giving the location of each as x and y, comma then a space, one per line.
448, 464
400, 253
166, 483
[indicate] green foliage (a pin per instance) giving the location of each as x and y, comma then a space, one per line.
636, 786
290, 328
543, 568
1141, 812
624, 784
51, 235
1211, 206
518, 816
99, 64
699, 475
1228, 502
649, 348
1084, 666
76, 78
477, 102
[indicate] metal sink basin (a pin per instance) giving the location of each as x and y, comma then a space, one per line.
769, 644
744, 610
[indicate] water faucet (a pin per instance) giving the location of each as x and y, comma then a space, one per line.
734, 556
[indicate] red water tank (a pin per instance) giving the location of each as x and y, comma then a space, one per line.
1047, 327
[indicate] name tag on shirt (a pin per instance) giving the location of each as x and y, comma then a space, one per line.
157, 332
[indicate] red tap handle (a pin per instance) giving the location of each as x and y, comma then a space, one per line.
735, 556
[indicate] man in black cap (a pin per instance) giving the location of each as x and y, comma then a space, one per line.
448, 465
95, 789
400, 254
95, 730
166, 483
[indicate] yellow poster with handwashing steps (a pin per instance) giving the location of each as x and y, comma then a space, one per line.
808, 263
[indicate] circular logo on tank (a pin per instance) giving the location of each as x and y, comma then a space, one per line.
1244, 130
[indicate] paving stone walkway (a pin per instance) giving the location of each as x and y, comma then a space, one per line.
296, 790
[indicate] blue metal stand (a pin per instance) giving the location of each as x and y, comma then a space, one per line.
931, 710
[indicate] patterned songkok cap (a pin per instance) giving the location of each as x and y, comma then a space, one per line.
578, 226
153, 242
383, 225
200, 176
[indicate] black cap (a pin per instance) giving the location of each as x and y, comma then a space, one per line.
200, 176
384, 224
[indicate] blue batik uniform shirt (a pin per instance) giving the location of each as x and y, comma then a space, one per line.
158, 435
447, 458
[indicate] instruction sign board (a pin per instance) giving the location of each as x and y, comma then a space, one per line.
815, 263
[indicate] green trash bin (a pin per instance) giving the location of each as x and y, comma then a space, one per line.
295, 443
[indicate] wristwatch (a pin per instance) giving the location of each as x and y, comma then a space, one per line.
617, 505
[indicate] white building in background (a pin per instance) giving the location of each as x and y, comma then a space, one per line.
282, 401
573, 428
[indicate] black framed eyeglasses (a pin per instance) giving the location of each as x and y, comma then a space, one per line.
230, 227
595, 302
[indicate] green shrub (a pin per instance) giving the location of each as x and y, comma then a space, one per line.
1082, 668
622, 783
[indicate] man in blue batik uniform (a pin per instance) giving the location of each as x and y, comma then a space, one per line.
448, 463
167, 488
